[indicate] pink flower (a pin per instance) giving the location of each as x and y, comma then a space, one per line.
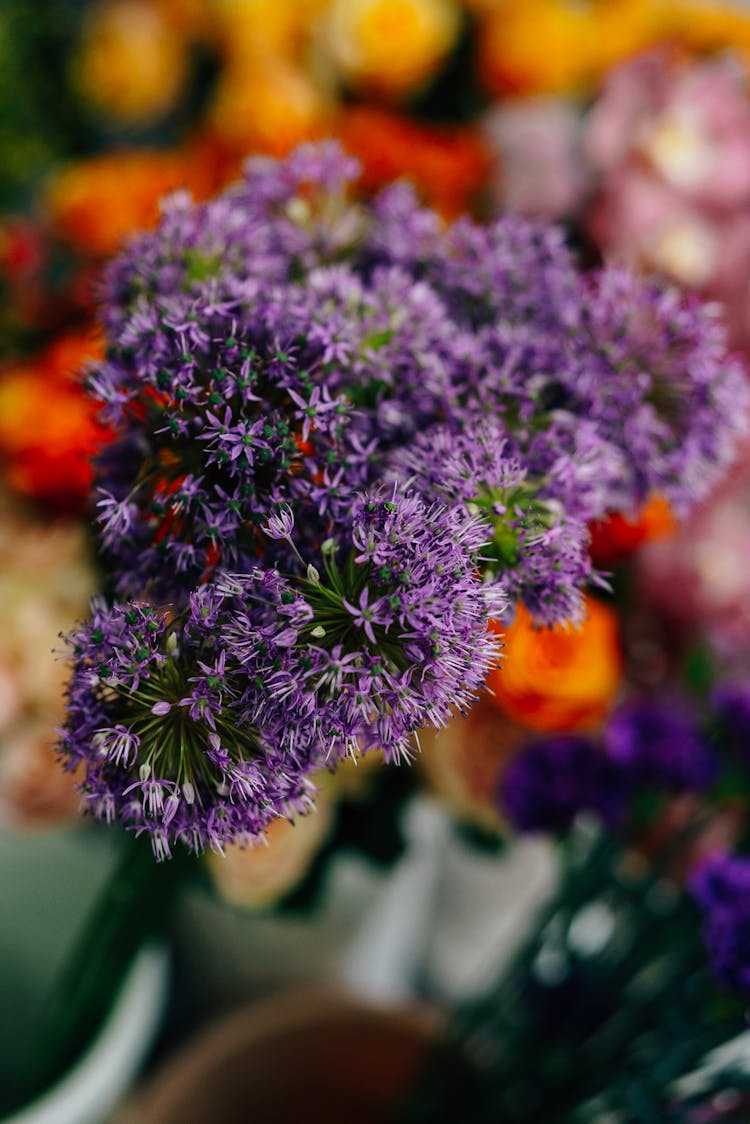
699, 578
669, 140
537, 145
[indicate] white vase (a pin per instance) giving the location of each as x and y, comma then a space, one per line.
48, 884
366, 930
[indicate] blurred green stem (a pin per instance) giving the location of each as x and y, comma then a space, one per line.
135, 905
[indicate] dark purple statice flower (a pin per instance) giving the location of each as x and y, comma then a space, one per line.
553, 780
721, 886
658, 742
731, 702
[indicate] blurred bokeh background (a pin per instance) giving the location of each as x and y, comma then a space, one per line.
628, 121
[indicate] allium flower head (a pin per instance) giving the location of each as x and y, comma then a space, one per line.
397, 633
165, 718
534, 548
656, 376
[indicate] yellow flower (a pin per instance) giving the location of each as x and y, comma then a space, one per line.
389, 47
263, 29
271, 106
554, 46
707, 26
132, 64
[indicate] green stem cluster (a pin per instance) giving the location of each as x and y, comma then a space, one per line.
579, 1031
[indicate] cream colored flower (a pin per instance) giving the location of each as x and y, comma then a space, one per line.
132, 65
259, 876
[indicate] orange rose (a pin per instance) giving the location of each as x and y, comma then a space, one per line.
704, 25
580, 42
447, 166
48, 428
561, 678
617, 536
268, 106
96, 203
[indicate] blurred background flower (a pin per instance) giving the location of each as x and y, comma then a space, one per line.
562, 678
628, 120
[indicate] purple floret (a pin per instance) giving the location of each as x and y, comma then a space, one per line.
535, 550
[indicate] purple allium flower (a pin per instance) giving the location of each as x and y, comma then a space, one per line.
276, 347
203, 728
721, 886
658, 742
179, 736
538, 553
397, 633
656, 377
552, 780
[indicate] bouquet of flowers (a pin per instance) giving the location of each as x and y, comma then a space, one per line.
351, 445
627, 1000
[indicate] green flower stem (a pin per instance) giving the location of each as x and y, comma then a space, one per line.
134, 906
637, 1014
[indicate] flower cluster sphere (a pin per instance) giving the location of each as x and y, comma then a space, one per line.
348, 438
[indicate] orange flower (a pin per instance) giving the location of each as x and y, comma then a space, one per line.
48, 429
554, 46
389, 47
254, 30
703, 25
267, 106
560, 678
617, 536
132, 65
448, 166
96, 203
